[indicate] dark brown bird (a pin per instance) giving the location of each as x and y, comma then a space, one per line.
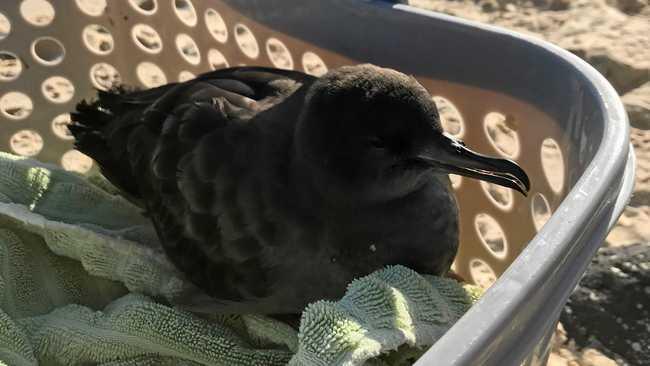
270, 189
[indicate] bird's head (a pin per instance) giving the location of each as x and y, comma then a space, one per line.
375, 133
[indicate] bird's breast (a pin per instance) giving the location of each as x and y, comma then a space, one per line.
419, 231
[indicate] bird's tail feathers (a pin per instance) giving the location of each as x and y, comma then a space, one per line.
101, 129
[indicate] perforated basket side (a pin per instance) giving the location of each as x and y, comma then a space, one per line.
56, 54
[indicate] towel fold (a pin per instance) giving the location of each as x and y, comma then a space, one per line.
84, 280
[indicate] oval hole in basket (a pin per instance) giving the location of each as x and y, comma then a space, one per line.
313, 64
482, 274
76, 161
146, 38
216, 25
456, 181
104, 76
26, 143
5, 26
450, 118
150, 74
279, 54
188, 49
491, 235
48, 51
217, 60
146, 7
59, 126
553, 164
98, 39
185, 76
37, 12
185, 11
246, 41
93, 8
454, 267
501, 131
501, 197
10, 66
540, 210
16, 105
57, 89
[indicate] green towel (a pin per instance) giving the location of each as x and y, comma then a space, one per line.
83, 280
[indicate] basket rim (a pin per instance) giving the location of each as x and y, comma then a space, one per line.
491, 332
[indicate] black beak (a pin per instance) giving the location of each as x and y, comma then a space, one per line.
454, 157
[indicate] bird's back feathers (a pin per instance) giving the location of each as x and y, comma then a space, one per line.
181, 150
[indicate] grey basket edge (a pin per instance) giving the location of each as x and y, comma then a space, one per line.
599, 197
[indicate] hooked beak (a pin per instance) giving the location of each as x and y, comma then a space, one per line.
452, 156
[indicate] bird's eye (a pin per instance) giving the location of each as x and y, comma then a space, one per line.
376, 142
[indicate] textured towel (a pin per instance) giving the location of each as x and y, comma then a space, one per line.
83, 280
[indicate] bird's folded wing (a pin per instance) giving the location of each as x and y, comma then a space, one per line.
71, 250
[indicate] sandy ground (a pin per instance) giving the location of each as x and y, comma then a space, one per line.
614, 36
